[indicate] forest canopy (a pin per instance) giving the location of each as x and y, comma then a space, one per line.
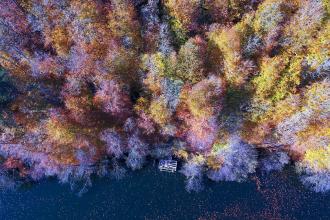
228, 87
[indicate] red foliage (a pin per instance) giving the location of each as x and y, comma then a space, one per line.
12, 163
199, 109
13, 16
112, 98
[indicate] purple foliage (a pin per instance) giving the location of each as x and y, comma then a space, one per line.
6, 135
150, 16
135, 160
253, 46
73, 85
165, 46
319, 182
129, 125
193, 172
288, 128
103, 168
41, 165
171, 90
117, 172
274, 162
240, 159
322, 71
203, 133
194, 184
85, 157
138, 150
79, 177
146, 123
161, 151
113, 98
21, 152
7, 182
113, 141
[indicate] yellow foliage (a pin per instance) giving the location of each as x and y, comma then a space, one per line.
213, 162
190, 60
314, 136
198, 159
87, 9
276, 112
26, 4
319, 49
159, 111
229, 43
270, 72
271, 13
66, 159
181, 154
278, 77
326, 5
122, 22
182, 11
217, 147
153, 83
290, 79
198, 105
141, 104
155, 66
79, 104
155, 61
255, 133
244, 27
304, 26
59, 132
318, 159
268, 16
61, 40
318, 94
18, 68
203, 100
284, 108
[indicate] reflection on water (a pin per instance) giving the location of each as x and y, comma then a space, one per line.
149, 194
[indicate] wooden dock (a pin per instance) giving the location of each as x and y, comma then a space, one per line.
168, 165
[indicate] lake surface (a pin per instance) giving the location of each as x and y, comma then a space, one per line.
149, 194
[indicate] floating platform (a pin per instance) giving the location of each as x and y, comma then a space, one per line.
168, 165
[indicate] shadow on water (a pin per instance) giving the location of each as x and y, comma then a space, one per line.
149, 194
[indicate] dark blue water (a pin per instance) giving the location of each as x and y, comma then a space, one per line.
149, 194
